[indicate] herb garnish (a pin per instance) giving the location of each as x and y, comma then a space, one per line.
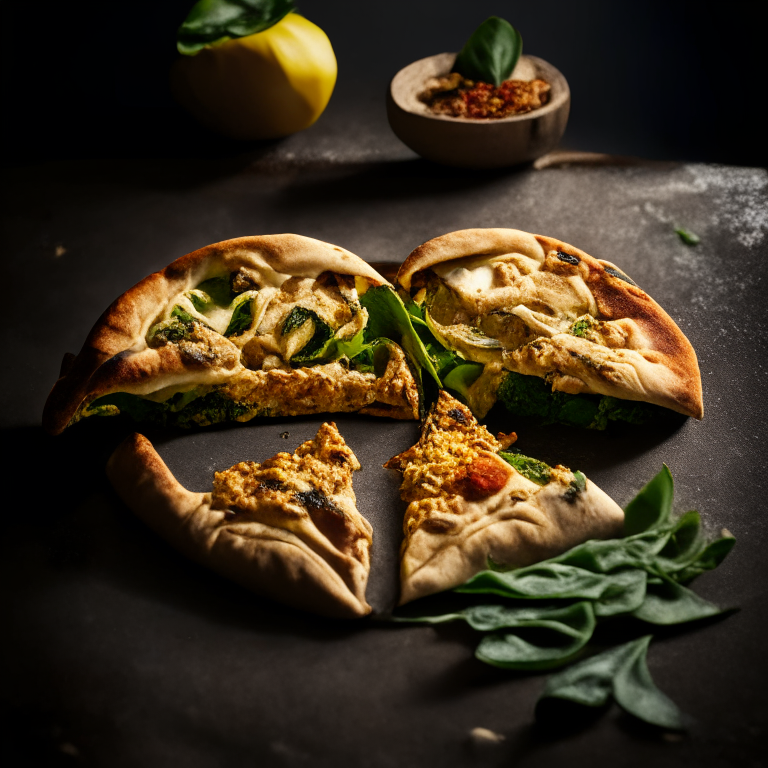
688, 237
215, 21
641, 576
491, 53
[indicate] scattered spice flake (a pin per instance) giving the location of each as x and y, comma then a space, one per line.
688, 237
456, 96
285, 435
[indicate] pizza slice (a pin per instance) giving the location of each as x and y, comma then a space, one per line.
256, 326
548, 330
287, 528
470, 502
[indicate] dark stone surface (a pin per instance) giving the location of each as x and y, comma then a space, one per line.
120, 653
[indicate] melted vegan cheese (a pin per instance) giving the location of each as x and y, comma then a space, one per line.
533, 308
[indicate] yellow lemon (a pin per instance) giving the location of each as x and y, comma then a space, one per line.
262, 86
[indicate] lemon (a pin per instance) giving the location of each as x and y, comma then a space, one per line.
262, 86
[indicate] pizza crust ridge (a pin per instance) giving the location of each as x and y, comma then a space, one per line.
263, 540
115, 356
636, 353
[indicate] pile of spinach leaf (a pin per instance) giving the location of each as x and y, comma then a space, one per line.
548, 612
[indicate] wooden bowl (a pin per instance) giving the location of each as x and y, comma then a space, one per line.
476, 143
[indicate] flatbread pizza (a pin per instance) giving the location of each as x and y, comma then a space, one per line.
518, 305
287, 528
470, 502
276, 325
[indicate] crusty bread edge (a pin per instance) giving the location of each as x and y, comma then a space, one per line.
146, 485
615, 298
126, 321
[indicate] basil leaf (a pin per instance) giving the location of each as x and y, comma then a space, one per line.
559, 635
652, 506
667, 602
491, 53
214, 21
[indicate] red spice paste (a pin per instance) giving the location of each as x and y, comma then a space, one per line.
456, 96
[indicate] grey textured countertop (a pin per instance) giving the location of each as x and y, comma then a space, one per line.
121, 653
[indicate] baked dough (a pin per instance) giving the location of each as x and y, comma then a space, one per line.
467, 505
538, 306
287, 529
218, 333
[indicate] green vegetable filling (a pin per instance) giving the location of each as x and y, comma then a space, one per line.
534, 470
532, 396
184, 409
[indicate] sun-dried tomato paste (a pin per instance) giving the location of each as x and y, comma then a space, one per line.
456, 96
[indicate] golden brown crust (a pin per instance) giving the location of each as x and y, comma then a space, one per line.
260, 537
466, 505
124, 325
660, 365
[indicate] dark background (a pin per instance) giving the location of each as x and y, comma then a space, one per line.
674, 80
118, 652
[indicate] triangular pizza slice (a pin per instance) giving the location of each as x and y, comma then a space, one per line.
470, 503
276, 325
287, 528
549, 330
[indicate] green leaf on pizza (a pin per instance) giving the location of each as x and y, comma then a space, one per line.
533, 469
217, 289
388, 318
242, 317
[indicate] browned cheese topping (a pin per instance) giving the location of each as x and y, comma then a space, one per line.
456, 96
453, 456
291, 490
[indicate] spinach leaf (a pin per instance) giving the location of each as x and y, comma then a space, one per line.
313, 350
295, 319
546, 580
652, 506
241, 319
388, 318
667, 602
491, 52
559, 634
462, 377
534, 470
218, 289
214, 21
623, 673
710, 557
